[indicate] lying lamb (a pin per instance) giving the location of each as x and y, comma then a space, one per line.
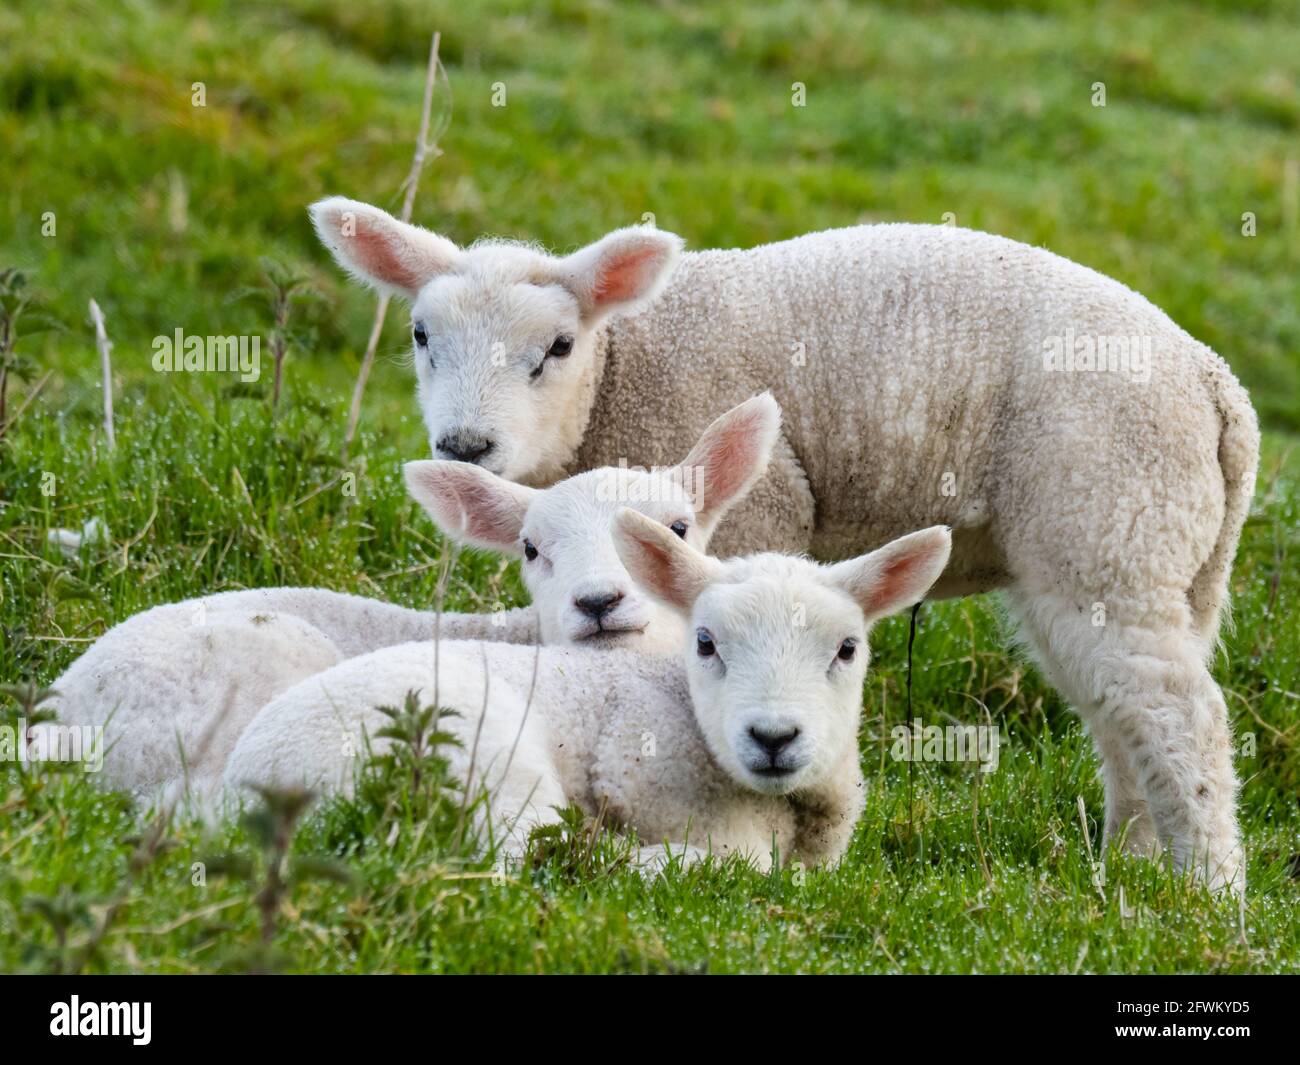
1092, 458
746, 743
175, 685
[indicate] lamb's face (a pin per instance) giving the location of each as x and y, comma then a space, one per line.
565, 534
580, 587
776, 663
777, 653
503, 361
503, 334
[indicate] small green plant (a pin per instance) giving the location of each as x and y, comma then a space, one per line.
29, 713
417, 741
17, 303
29, 696
406, 796
63, 911
412, 769
272, 826
282, 289
146, 848
578, 848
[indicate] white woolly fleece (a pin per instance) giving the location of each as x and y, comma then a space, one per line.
932, 374
188, 677
745, 741
1091, 457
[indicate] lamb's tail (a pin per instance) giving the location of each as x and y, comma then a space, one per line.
1239, 462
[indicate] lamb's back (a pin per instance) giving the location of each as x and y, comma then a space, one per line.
907, 359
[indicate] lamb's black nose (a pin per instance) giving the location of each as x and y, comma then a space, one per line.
773, 742
597, 606
465, 446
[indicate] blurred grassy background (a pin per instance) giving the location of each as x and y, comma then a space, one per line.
680, 109
614, 110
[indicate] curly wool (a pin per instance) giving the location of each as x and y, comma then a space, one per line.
934, 374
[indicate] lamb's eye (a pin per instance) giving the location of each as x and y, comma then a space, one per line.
530, 552
560, 347
679, 527
704, 643
847, 650
421, 337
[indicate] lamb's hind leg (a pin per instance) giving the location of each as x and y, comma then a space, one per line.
1161, 726
1128, 821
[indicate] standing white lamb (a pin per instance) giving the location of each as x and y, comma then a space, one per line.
744, 744
1092, 458
174, 686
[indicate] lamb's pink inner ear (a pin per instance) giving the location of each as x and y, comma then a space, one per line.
731, 461
895, 581
658, 561
899, 574
620, 269
376, 252
380, 250
470, 504
732, 454
489, 516
656, 568
625, 275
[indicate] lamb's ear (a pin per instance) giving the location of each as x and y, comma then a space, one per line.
660, 562
730, 457
621, 270
470, 504
896, 575
378, 249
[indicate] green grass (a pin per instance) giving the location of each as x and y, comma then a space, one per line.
683, 110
